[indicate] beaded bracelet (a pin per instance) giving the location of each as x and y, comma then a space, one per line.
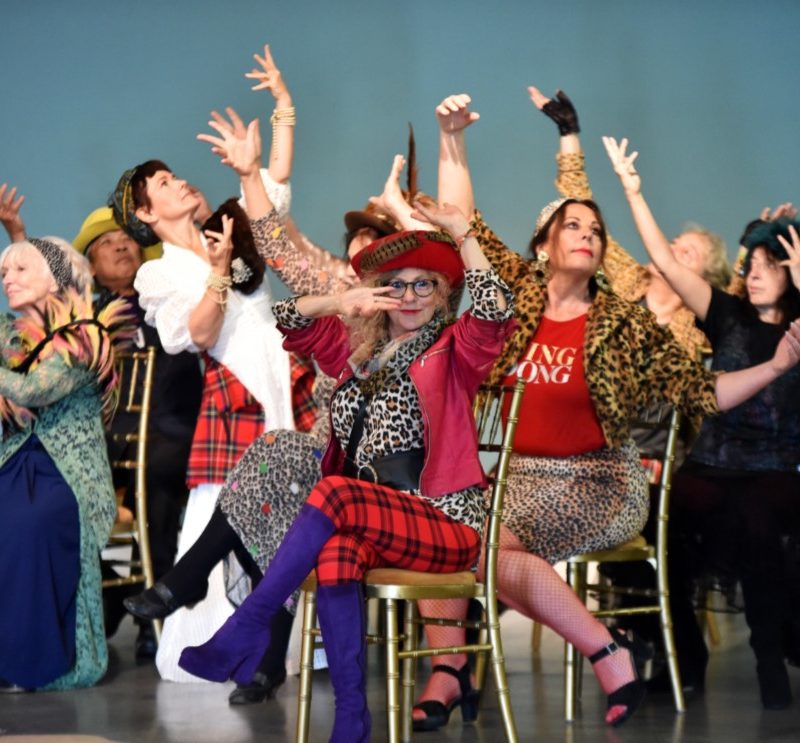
281, 117
219, 285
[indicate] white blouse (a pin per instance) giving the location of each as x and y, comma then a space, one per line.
249, 343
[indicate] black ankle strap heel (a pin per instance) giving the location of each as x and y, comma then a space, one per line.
632, 694
437, 715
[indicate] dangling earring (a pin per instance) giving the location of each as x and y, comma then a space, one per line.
541, 265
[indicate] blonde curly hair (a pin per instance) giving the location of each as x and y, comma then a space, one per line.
366, 333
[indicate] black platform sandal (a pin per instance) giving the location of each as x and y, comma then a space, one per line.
438, 714
632, 694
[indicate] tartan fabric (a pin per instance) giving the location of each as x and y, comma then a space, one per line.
230, 420
302, 380
377, 527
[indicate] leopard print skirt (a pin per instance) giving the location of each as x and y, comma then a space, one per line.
563, 506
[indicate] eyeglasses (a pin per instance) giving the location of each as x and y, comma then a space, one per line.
421, 287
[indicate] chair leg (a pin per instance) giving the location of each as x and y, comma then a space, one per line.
499, 669
306, 667
409, 669
576, 578
482, 659
536, 637
665, 615
392, 672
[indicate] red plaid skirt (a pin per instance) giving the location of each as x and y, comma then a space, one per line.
379, 527
231, 418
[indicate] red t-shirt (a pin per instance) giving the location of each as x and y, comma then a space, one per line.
557, 417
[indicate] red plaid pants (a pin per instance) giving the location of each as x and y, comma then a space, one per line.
379, 527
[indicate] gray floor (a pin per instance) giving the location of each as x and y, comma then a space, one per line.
133, 705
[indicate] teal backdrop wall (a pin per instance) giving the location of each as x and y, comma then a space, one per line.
706, 90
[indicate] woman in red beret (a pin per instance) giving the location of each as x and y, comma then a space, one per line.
394, 457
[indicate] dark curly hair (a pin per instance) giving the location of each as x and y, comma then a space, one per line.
244, 245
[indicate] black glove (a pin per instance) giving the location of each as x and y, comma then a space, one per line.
561, 110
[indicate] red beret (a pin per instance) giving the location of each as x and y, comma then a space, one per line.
432, 251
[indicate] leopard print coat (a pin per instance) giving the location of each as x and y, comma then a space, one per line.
630, 362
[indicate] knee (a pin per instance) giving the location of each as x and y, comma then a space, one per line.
332, 495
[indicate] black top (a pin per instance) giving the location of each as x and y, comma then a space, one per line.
763, 433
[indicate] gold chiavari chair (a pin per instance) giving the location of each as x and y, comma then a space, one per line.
655, 601
496, 414
135, 369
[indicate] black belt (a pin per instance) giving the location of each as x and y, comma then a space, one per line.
400, 470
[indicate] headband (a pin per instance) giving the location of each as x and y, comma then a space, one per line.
56, 260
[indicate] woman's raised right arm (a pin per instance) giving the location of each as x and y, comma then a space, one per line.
694, 291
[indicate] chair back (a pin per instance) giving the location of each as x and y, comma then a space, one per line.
135, 370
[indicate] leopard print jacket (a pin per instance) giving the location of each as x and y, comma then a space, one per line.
630, 362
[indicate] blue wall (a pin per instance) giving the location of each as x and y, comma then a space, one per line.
706, 90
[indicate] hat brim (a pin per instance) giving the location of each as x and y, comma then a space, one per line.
358, 220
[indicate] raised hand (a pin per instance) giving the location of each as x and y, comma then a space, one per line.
10, 204
238, 146
559, 109
220, 247
782, 210
454, 115
269, 77
793, 251
365, 301
450, 218
623, 164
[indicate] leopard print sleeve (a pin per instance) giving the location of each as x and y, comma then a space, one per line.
304, 267
669, 373
483, 287
510, 266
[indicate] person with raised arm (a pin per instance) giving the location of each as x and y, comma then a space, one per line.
394, 456
736, 494
592, 360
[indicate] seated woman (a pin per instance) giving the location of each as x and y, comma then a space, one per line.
57, 502
394, 456
736, 495
592, 361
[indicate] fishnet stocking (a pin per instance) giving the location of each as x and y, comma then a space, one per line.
531, 586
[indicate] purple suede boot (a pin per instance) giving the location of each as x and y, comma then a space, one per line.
340, 609
237, 647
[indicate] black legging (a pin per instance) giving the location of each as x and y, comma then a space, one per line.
188, 579
734, 522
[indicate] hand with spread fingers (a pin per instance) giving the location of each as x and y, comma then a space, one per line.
238, 146
559, 109
782, 210
793, 251
454, 114
268, 77
623, 164
10, 205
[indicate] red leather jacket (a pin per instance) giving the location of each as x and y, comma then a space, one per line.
446, 376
